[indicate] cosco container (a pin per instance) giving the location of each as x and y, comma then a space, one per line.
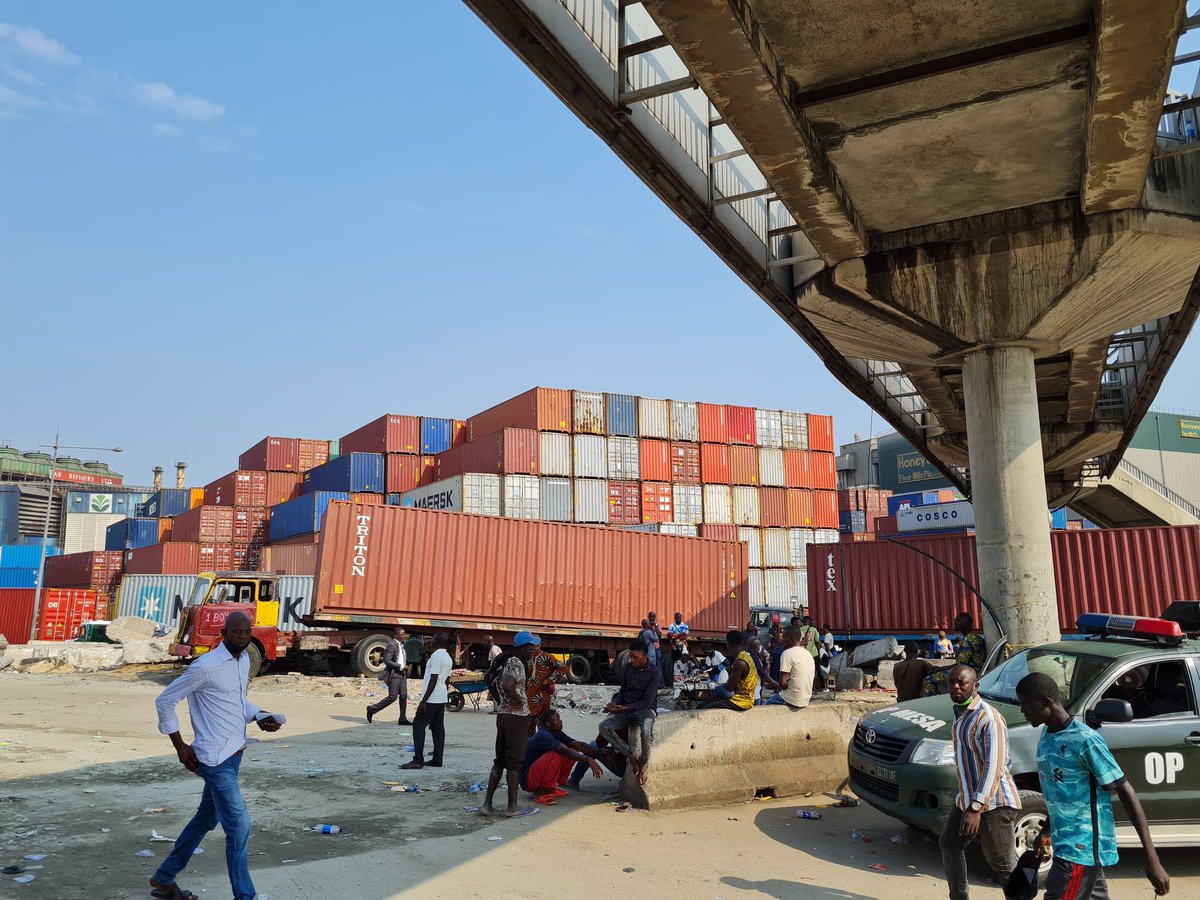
624, 503
714, 463
238, 488
773, 507
745, 506
657, 502
554, 453
654, 460
622, 414
159, 598
685, 463
688, 502
743, 465
776, 552
272, 454
556, 500
714, 424
685, 422
752, 538
589, 417
591, 500
522, 497
405, 472
129, 534
768, 425
591, 456
794, 429
770, 468
352, 472
718, 506
470, 493
166, 503
936, 517
539, 409
283, 486
654, 418
302, 515
387, 434
820, 433
623, 462
163, 559
210, 524
741, 421
513, 451
437, 435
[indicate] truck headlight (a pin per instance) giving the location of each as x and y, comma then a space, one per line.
929, 752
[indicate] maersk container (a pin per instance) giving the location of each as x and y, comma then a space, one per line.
589, 417
159, 598
688, 503
167, 503
522, 497
556, 499
799, 540
622, 414
476, 493
130, 534
437, 435
554, 453
769, 425
770, 467
623, 459
591, 501
591, 456
742, 426
654, 418
794, 426
752, 538
777, 587
718, 506
538, 409
349, 473
302, 515
776, 552
685, 422
296, 595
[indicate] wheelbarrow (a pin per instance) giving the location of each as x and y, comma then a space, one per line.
463, 688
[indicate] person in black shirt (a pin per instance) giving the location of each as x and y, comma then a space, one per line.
634, 704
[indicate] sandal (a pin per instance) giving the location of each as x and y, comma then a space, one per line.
170, 892
545, 800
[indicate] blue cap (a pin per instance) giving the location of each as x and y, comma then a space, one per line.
524, 637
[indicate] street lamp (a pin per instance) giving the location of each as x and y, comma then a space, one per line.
41, 576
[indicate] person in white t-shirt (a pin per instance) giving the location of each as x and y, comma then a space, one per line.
797, 671
431, 709
493, 652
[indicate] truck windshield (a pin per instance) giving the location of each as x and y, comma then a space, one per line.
200, 590
1074, 673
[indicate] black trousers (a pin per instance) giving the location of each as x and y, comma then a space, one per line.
434, 719
397, 690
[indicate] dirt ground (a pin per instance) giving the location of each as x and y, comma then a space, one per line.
81, 761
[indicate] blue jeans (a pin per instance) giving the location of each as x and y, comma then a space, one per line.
221, 802
581, 768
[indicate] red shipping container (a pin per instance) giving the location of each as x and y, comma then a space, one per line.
272, 454
163, 559
164, 530
825, 514
312, 454
283, 486
250, 525
718, 532
89, 569
742, 423
460, 433
856, 537
657, 502
406, 473
773, 507
886, 525
371, 499
16, 614
822, 474
214, 557
290, 560
714, 423
655, 460
63, 612
800, 508
205, 524
539, 409
685, 463
246, 559
513, 451
795, 469
239, 488
387, 434
624, 503
714, 464
820, 433
743, 465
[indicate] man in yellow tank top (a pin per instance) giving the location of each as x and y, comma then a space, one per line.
737, 693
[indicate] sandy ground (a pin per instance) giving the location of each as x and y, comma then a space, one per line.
80, 761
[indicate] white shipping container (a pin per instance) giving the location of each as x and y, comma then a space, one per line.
938, 516
591, 501
800, 588
770, 467
688, 502
591, 456
754, 587
589, 413
623, 459
776, 552
160, 598
718, 504
654, 418
794, 427
685, 422
798, 541
769, 423
777, 587
826, 536
295, 594
554, 453
676, 528
476, 493
745, 506
84, 532
753, 541
556, 499
522, 497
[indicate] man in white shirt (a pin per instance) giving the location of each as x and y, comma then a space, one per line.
431, 710
797, 670
215, 687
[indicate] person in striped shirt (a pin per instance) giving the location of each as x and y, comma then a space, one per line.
987, 801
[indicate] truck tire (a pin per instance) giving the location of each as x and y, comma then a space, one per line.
367, 656
257, 660
579, 669
1030, 819
619, 665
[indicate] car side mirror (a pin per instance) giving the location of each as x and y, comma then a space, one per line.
1109, 710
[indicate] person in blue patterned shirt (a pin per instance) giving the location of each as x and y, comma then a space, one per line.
972, 651
1078, 774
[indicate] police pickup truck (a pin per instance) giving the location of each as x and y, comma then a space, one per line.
902, 761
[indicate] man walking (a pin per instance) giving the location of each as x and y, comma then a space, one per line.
987, 802
512, 725
395, 676
215, 687
431, 710
634, 704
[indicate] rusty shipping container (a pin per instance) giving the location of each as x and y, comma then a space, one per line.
773, 507
713, 423
238, 488
387, 434
16, 613
389, 564
743, 425
311, 454
743, 465
96, 569
272, 454
513, 451
539, 409
206, 524
250, 525
800, 508
589, 416
290, 559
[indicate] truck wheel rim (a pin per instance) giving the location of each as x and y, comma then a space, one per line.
1025, 834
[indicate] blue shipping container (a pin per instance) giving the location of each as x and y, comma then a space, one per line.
167, 503
436, 435
354, 473
130, 534
1058, 519
622, 414
304, 514
18, 577
122, 503
23, 556
393, 500
852, 521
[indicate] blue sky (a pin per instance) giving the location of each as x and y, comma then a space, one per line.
279, 220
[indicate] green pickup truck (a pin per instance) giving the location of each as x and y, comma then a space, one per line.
902, 761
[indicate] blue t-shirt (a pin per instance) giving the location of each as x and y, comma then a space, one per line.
1070, 762
542, 741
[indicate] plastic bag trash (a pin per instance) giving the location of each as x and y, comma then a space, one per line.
156, 838
471, 808
105, 830
900, 839
315, 771
89, 790
23, 879
476, 787
410, 749
494, 837
155, 809
409, 840
197, 850
860, 836
35, 857
288, 860
878, 867
147, 854
627, 869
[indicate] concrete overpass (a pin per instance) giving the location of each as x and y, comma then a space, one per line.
960, 206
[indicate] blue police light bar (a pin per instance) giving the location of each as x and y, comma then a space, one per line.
1160, 630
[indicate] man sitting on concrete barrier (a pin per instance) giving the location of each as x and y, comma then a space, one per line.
634, 704
549, 757
795, 673
737, 693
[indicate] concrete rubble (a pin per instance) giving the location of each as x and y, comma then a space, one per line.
136, 645
874, 651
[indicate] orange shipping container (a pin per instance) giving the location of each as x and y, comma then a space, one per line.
370, 499
718, 531
655, 461
685, 463
773, 507
743, 465
290, 560
393, 564
250, 525
313, 454
657, 502
714, 424
800, 508
162, 559
820, 433
283, 486
821, 471
742, 423
64, 611
197, 498
164, 530
460, 432
405, 472
539, 409
624, 503
795, 469
714, 464
825, 512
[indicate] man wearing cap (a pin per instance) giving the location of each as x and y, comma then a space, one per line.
512, 725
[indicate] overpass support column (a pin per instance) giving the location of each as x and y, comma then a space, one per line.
1004, 438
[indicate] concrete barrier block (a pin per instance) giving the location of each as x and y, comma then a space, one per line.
130, 628
885, 677
154, 651
3, 642
850, 679
873, 651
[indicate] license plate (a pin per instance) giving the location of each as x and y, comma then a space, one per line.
880, 772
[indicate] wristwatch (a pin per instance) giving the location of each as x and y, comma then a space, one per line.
976, 806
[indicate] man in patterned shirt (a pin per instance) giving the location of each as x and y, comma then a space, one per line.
512, 725
972, 651
1078, 776
987, 801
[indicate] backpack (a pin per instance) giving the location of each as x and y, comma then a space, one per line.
491, 677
